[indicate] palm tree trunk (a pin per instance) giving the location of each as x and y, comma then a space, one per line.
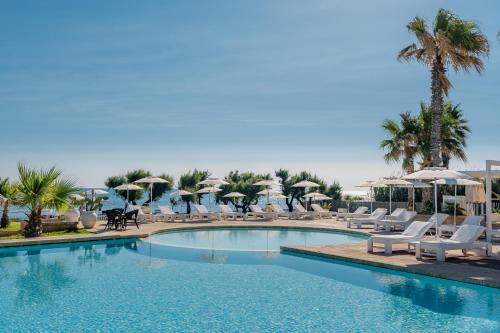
34, 225
438, 71
5, 215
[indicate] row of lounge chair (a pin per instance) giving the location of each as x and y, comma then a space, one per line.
464, 237
256, 212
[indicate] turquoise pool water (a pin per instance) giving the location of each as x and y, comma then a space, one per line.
142, 286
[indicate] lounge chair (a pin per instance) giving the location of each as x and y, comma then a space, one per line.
302, 212
256, 212
281, 212
401, 221
440, 217
320, 212
465, 238
377, 215
451, 228
167, 214
395, 215
359, 212
415, 231
203, 213
227, 212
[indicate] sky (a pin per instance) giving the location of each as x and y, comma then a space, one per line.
101, 87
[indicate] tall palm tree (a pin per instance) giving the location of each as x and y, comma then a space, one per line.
454, 132
8, 191
402, 144
451, 42
39, 189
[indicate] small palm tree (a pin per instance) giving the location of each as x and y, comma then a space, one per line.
8, 191
451, 42
40, 189
402, 144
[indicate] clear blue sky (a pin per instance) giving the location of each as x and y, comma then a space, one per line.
100, 87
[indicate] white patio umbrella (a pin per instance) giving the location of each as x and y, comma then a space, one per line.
208, 189
456, 182
73, 196
414, 185
268, 193
94, 191
183, 193
391, 182
151, 180
267, 182
234, 195
369, 184
435, 173
127, 187
306, 184
213, 181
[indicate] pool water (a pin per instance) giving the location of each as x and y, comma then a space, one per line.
239, 239
148, 286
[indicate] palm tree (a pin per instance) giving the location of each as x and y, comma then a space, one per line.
451, 42
454, 131
9, 192
402, 144
39, 189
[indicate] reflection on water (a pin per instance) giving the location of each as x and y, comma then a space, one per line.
442, 299
41, 280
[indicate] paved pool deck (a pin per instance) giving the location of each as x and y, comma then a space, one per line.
475, 268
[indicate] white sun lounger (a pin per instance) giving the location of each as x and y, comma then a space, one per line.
469, 220
203, 213
403, 220
256, 212
395, 215
441, 218
377, 215
359, 212
320, 212
167, 214
281, 212
415, 231
465, 238
226, 212
302, 212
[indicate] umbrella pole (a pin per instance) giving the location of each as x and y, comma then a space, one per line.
455, 208
371, 199
390, 199
436, 205
413, 197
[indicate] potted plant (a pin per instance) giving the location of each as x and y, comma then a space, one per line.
90, 203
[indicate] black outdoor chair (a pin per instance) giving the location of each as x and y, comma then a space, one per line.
114, 219
130, 217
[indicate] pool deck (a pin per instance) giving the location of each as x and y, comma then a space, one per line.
475, 268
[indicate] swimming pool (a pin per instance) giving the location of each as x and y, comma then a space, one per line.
146, 285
